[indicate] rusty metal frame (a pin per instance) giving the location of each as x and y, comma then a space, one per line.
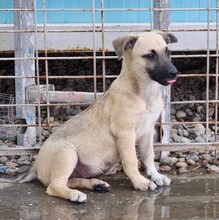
208, 28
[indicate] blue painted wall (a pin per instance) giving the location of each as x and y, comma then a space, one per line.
111, 17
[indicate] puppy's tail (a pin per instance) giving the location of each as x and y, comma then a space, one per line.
24, 177
29, 175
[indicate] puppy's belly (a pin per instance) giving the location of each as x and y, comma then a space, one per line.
87, 171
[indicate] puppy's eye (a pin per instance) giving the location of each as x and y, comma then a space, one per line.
149, 56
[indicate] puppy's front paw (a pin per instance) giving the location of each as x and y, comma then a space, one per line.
161, 180
143, 184
78, 197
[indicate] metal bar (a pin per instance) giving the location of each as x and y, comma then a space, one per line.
217, 72
161, 16
20, 150
162, 21
60, 97
46, 66
185, 147
103, 48
94, 48
207, 72
113, 9
24, 47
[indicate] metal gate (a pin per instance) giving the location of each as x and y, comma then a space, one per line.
55, 67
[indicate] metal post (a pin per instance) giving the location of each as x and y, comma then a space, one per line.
161, 18
162, 22
24, 48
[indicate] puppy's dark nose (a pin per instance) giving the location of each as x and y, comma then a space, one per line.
172, 71
173, 74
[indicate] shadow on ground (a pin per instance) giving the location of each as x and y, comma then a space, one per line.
187, 198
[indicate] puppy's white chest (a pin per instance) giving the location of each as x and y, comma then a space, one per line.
146, 122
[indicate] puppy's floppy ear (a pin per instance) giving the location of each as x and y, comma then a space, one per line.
168, 37
123, 43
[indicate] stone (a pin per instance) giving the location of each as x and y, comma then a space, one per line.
181, 159
200, 139
196, 119
185, 140
23, 169
165, 168
180, 132
174, 160
182, 170
185, 133
215, 162
180, 114
166, 161
181, 164
24, 162
192, 157
11, 165
11, 171
3, 159
207, 157
191, 162
199, 129
188, 112
174, 131
214, 128
176, 138
213, 169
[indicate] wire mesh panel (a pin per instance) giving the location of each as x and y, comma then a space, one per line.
69, 61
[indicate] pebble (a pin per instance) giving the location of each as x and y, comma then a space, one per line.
191, 162
165, 168
180, 114
199, 129
176, 138
182, 170
181, 164
215, 162
192, 157
213, 169
11, 165
3, 159
181, 159
200, 139
185, 140
207, 157
23, 169
11, 171
166, 161
196, 119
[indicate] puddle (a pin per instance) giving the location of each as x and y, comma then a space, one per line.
186, 198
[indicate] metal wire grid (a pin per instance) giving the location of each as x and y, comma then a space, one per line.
6, 112
95, 28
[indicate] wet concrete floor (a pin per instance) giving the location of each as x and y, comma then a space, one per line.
189, 197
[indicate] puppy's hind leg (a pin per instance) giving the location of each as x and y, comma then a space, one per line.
92, 184
62, 169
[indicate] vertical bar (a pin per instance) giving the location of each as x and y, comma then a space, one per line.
216, 72
46, 63
161, 18
94, 50
162, 21
24, 48
103, 47
207, 71
151, 15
